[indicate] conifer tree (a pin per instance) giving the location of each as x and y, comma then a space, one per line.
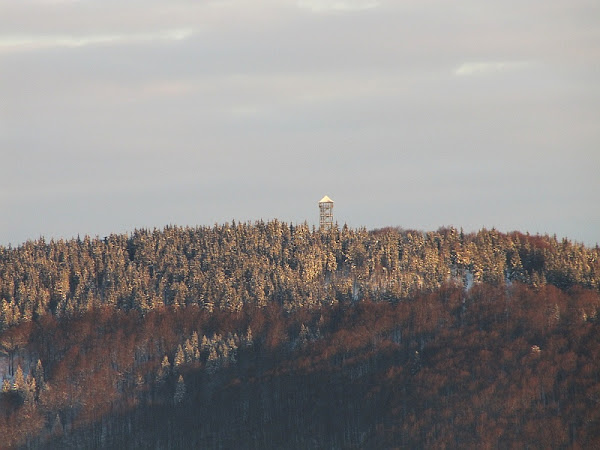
19, 382
304, 335
248, 340
213, 361
205, 345
5, 315
57, 427
179, 390
188, 351
38, 373
179, 358
165, 365
30, 389
195, 346
194, 339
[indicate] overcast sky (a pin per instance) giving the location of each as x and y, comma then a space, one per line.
122, 114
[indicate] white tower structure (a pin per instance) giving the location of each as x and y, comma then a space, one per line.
326, 213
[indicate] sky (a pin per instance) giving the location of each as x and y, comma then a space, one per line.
125, 114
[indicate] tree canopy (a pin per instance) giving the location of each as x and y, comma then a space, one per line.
272, 335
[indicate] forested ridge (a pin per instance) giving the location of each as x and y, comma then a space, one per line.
271, 335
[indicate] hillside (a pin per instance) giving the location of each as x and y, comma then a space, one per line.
271, 335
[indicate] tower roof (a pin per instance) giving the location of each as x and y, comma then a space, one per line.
325, 200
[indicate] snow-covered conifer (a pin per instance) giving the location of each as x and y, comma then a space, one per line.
30, 389
179, 357
38, 373
163, 371
205, 344
188, 350
57, 428
213, 361
179, 390
304, 336
248, 340
19, 382
194, 340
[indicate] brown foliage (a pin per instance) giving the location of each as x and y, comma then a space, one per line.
491, 367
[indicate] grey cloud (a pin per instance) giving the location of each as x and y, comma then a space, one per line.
322, 6
20, 43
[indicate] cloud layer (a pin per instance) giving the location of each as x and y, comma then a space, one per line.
483, 68
337, 5
32, 42
117, 114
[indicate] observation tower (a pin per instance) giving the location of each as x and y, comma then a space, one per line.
326, 213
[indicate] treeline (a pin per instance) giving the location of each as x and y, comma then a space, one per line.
492, 367
232, 265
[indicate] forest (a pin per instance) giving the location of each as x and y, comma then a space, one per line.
275, 335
